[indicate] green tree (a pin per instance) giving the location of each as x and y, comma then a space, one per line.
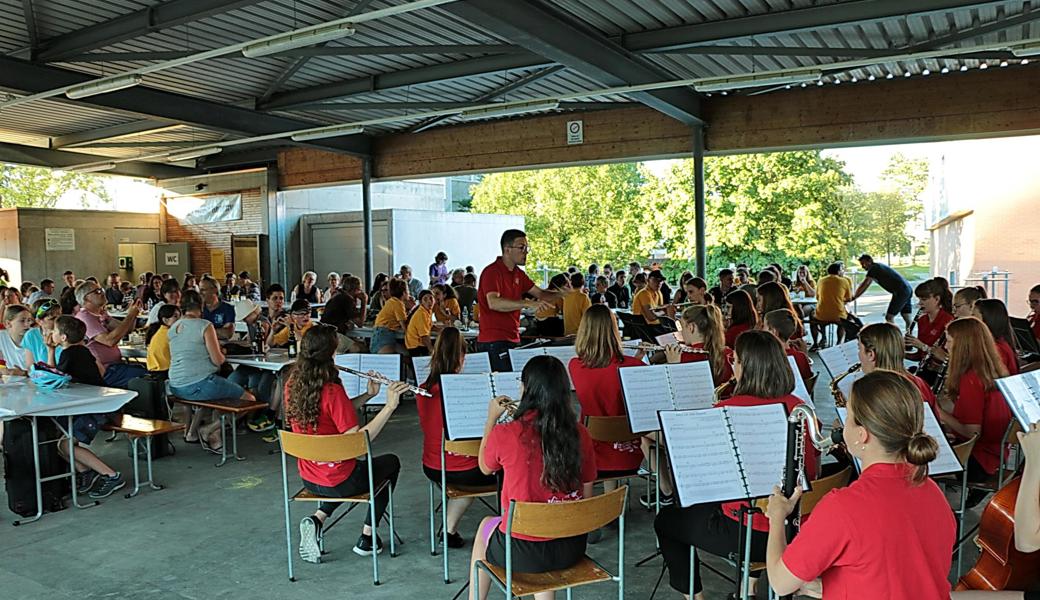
575, 215
906, 176
42, 188
891, 212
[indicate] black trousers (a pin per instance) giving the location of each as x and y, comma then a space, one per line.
498, 352
470, 478
705, 527
385, 467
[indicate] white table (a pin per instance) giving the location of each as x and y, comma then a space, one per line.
25, 399
273, 360
469, 334
803, 301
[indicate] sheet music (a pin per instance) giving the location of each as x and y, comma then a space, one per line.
760, 433
388, 365
838, 359
799, 384
421, 364
664, 339
518, 357
632, 351
945, 461
693, 385
506, 384
477, 362
646, 392
1022, 393
703, 460
466, 399
845, 385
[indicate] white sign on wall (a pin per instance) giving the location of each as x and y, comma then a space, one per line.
60, 238
172, 259
575, 132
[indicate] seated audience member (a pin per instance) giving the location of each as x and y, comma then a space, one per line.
419, 327
247, 288
69, 278
298, 321
151, 294
782, 324
46, 291
380, 294
575, 303
17, 321
719, 292
345, 311
307, 289
171, 294
544, 455
229, 290
457, 277
833, 292
158, 342
78, 362
215, 310
467, 292
105, 332
445, 304
603, 295
333, 280
414, 285
620, 290
275, 303
391, 320
195, 359
113, 295
316, 404
38, 343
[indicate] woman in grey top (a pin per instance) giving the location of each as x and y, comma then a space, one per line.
195, 359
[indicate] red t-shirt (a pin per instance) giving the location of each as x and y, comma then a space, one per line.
1008, 357
516, 448
759, 522
512, 285
926, 392
431, 420
727, 363
599, 394
802, 361
880, 537
335, 415
734, 332
929, 331
976, 406
1034, 321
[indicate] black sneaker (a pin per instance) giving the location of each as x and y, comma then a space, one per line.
310, 549
109, 484
648, 500
456, 541
85, 481
364, 545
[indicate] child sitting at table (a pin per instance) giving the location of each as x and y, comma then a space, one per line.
78, 362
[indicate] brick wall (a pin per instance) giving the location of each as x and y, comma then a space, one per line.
217, 236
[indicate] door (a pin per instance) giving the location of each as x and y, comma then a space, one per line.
172, 258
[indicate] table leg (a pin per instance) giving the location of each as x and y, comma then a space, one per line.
72, 469
137, 474
223, 442
234, 437
39, 484
151, 478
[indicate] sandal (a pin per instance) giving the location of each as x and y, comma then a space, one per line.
194, 441
205, 446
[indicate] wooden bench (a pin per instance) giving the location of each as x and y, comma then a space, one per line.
225, 408
135, 429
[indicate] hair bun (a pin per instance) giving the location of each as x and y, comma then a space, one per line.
921, 449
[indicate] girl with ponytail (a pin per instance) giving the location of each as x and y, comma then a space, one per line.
545, 455
701, 328
850, 540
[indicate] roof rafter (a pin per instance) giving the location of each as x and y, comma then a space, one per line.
123, 130
45, 157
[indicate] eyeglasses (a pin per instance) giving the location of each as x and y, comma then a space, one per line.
302, 313
524, 248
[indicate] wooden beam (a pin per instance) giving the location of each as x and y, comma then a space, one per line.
305, 167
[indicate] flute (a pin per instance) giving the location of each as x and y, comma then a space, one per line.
384, 380
648, 347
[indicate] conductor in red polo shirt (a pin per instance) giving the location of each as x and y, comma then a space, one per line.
500, 295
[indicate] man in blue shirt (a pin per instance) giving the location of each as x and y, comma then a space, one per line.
216, 311
892, 282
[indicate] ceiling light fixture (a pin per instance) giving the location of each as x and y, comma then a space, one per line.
1026, 50
291, 41
509, 109
92, 168
328, 132
750, 81
102, 86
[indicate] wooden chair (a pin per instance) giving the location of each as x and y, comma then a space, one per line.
559, 520
450, 492
225, 408
333, 448
611, 430
136, 428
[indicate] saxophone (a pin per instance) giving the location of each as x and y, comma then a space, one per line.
839, 397
717, 394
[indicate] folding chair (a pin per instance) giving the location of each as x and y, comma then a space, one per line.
963, 452
612, 430
333, 448
451, 492
559, 520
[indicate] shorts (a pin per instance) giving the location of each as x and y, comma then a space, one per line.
213, 387
901, 303
382, 337
85, 427
532, 557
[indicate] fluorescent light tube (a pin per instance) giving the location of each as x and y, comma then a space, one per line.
298, 40
190, 154
508, 110
91, 168
102, 86
1026, 50
327, 132
750, 81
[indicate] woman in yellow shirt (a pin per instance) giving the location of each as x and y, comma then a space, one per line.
391, 320
420, 325
575, 303
446, 304
157, 341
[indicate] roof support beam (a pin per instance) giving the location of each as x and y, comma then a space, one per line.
30, 23
44, 157
419, 50
156, 104
138, 23
85, 138
540, 29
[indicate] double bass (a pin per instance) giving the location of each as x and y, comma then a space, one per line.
1000, 565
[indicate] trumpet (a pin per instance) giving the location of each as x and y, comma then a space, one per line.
384, 380
510, 405
648, 347
839, 397
717, 394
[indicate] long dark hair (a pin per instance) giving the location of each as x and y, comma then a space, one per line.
765, 372
448, 351
994, 314
165, 312
547, 395
378, 283
313, 369
742, 309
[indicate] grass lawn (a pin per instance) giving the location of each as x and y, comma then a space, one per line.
914, 272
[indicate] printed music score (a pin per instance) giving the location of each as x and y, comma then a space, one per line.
466, 398
1022, 393
477, 362
945, 461
800, 390
728, 453
518, 357
388, 365
838, 359
664, 387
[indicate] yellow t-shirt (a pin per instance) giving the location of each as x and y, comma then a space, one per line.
574, 306
159, 350
448, 312
645, 297
281, 337
420, 324
391, 315
831, 293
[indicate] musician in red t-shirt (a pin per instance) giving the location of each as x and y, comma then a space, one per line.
449, 355
545, 455
701, 330
888, 534
781, 323
763, 377
994, 314
500, 297
1034, 310
742, 316
935, 301
317, 404
881, 347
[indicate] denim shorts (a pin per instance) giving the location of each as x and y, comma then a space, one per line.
85, 427
213, 387
382, 337
901, 303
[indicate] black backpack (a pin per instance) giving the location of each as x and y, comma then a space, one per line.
150, 403
19, 471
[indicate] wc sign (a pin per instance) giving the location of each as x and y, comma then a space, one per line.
575, 133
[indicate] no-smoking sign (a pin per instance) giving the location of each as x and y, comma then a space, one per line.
575, 133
